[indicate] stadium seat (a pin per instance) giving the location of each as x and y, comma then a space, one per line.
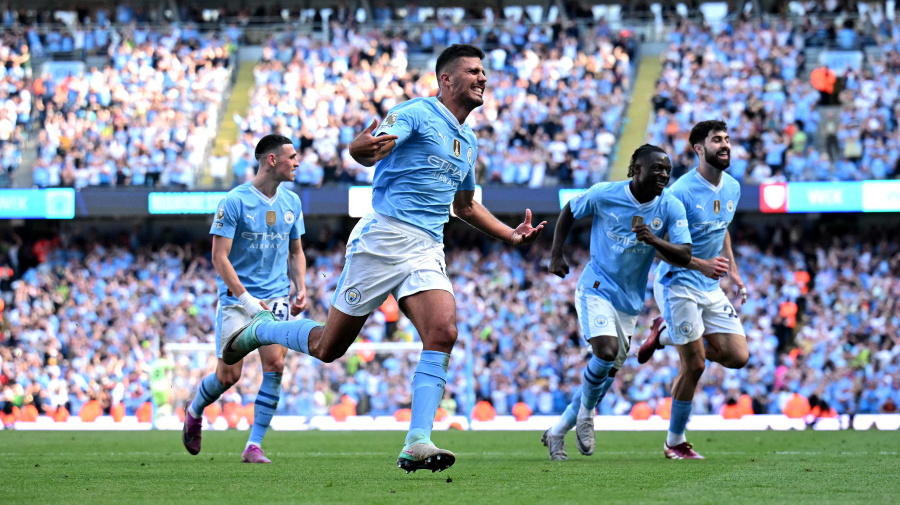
403, 415
28, 414
796, 407
484, 411
731, 411
664, 408
144, 413
61, 415
641, 411
212, 412
441, 414
521, 411
232, 412
118, 412
90, 411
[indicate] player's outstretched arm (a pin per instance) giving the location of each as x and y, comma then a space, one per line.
297, 273
733, 273
472, 212
368, 150
558, 264
221, 247
676, 254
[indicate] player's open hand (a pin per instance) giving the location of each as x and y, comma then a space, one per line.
367, 149
715, 268
525, 232
559, 266
739, 285
299, 303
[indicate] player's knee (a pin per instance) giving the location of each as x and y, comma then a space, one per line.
696, 367
737, 360
273, 365
443, 335
228, 378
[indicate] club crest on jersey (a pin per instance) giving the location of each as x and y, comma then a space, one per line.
221, 213
656, 224
457, 147
289, 217
729, 206
469, 155
601, 321
271, 218
686, 328
390, 120
717, 206
636, 221
352, 296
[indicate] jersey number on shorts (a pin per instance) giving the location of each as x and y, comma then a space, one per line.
280, 310
730, 310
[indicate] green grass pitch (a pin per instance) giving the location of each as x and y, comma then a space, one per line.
492, 468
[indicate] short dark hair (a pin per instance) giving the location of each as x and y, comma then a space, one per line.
700, 130
456, 51
268, 144
640, 152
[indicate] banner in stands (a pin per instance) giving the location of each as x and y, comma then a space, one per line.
854, 196
840, 61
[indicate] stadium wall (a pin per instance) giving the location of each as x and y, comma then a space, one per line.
887, 422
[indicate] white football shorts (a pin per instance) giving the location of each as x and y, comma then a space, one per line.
388, 256
231, 318
597, 317
690, 313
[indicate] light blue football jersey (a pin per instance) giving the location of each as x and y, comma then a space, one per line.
432, 160
710, 210
620, 264
261, 230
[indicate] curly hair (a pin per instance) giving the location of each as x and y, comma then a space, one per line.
640, 152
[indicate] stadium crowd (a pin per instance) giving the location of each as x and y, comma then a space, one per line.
553, 106
145, 118
88, 321
780, 131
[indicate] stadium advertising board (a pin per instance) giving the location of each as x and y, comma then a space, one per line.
57, 203
184, 202
360, 200
856, 196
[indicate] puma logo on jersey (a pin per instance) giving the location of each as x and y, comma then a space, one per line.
614, 216
701, 207
251, 217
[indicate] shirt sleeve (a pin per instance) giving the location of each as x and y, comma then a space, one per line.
226, 218
468, 183
586, 203
402, 123
679, 233
299, 227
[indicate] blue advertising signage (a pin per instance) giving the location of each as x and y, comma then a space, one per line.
184, 202
56, 203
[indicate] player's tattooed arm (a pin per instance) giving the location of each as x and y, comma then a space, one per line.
368, 150
558, 264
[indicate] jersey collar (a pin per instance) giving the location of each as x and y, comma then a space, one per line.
264, 198
709, 184
449, 115
634, 200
